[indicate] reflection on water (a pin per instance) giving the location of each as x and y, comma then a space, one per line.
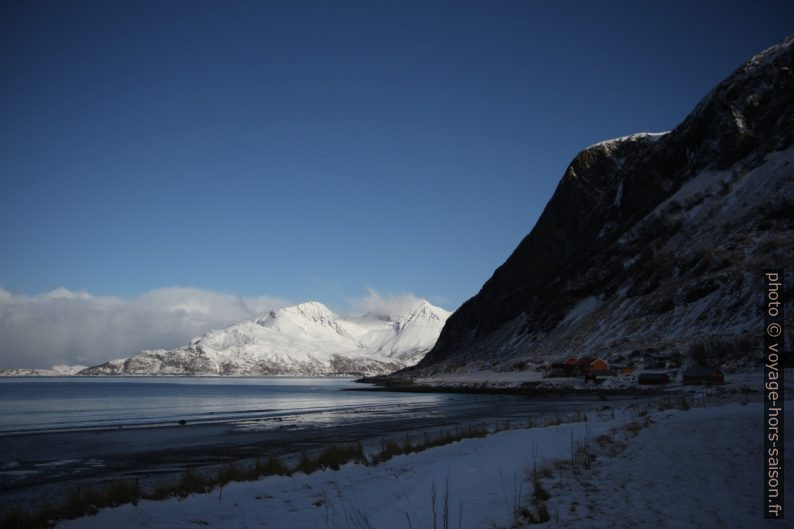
28, 404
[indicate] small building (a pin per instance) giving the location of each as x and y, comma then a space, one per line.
597, 376
588, 363
653, 379
563, 369
703, 376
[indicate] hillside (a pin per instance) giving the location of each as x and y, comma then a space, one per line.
651, 242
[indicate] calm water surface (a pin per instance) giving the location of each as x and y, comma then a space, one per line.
31, 404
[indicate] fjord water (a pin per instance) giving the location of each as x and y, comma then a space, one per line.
47, 404
62, 433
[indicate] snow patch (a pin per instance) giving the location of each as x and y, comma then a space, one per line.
582, 309
618, 195
653, 136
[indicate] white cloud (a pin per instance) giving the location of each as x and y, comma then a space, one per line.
66, 327
386, 304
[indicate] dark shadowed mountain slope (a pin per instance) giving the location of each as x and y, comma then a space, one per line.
650, 241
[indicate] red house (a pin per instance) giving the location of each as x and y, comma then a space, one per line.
587, 364
563, 369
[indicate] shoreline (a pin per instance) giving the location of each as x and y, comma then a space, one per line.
169, 451
524, 390
478, 470
47, 464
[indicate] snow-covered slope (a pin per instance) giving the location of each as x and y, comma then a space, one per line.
54, 371
306, 339
651, 243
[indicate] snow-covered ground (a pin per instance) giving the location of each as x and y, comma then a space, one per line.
697, 468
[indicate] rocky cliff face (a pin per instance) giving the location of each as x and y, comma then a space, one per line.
650, 241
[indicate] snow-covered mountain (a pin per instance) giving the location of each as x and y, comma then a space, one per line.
306, 339
651, 243
54, 371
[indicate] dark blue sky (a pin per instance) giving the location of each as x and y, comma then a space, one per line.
310, 150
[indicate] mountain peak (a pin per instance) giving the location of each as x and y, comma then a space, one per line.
409, 311
424, 309
648, 239
314, 308
304, 339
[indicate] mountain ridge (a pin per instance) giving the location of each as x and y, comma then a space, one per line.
304, 339
641, 231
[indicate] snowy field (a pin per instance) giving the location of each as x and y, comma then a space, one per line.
697, 468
